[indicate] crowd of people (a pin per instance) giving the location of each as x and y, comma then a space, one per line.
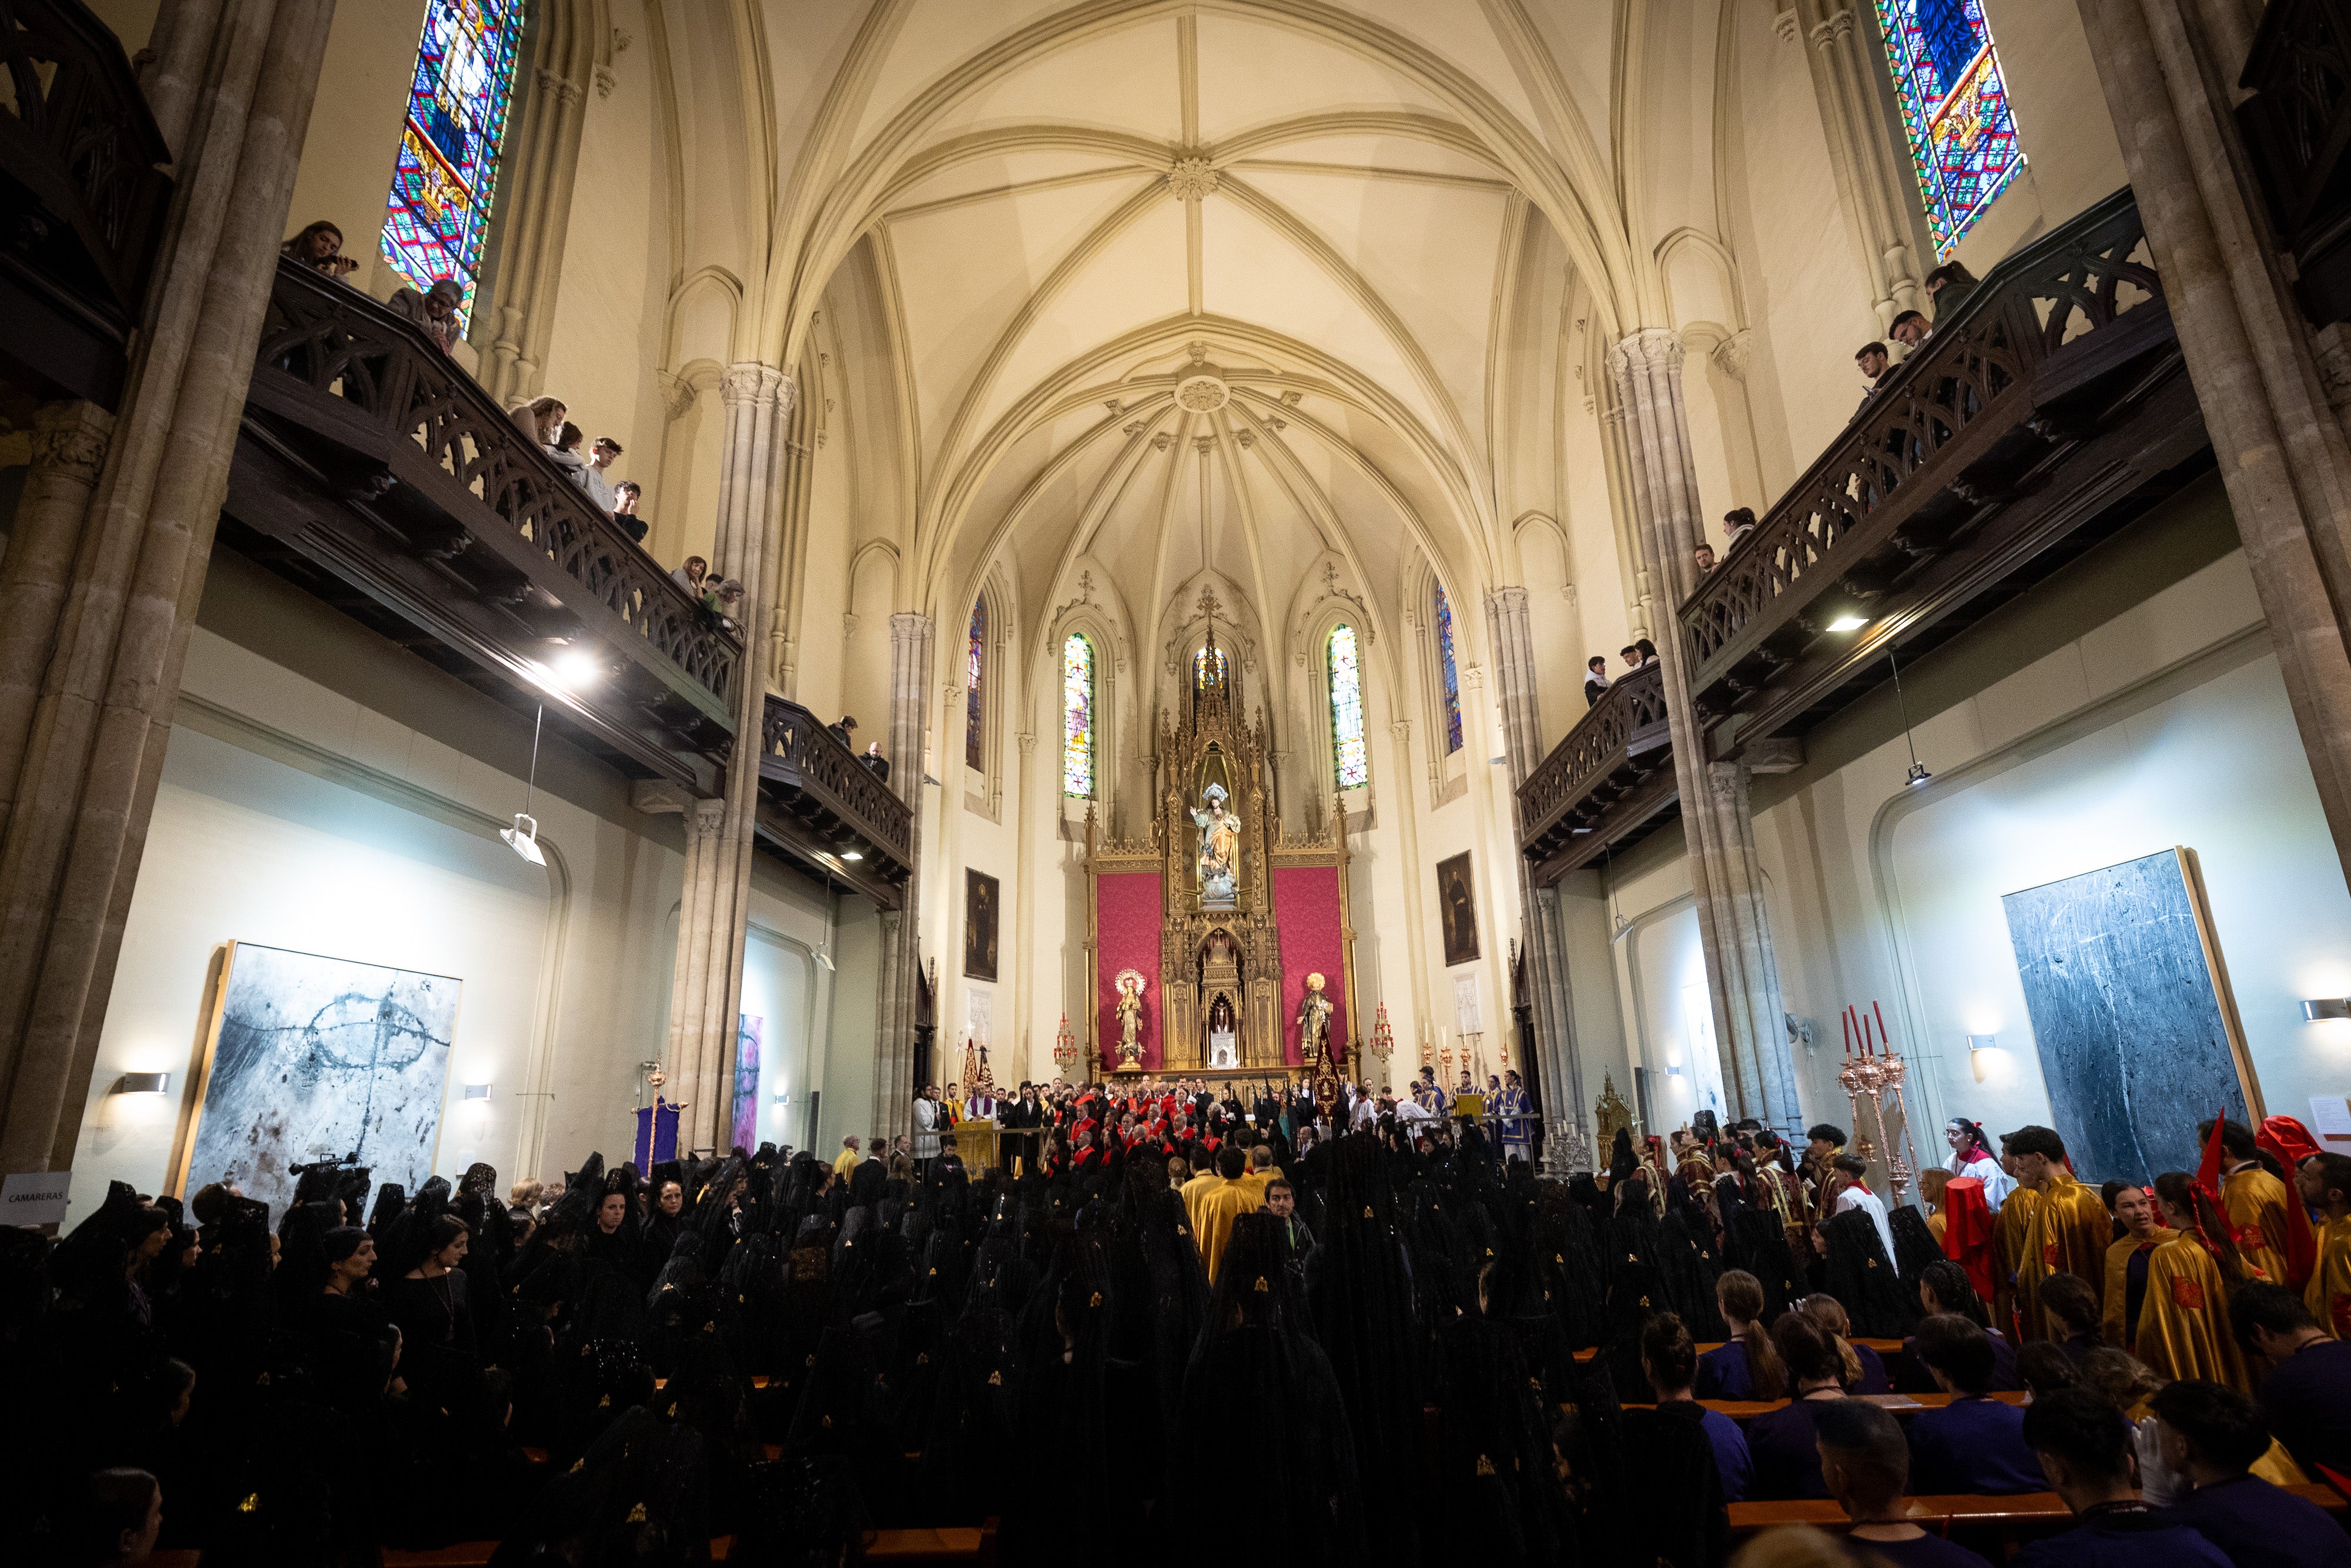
1333, 1341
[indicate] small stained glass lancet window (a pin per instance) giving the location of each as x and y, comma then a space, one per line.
1351, 764
974, 732
446, 174
1452, 678
1955, 110
1204, 675
1077, 717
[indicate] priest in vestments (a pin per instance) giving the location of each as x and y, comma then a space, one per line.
1221, 1205
2070, 1228
2015, 1222
2253, 1203
2126, 1265
2183, 1330
2324, 1182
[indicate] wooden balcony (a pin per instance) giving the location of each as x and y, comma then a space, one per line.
373, 472
1608, 784
2297, 130
819, 804
2044, 414
82, 197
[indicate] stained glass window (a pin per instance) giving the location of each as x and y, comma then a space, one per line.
1077, 717
974, 734
1201, 678
1955, 108
1452, 676
448, 165
1351, 764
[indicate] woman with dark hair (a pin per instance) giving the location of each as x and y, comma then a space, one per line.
319, 248
1944, 1287
1972, 1155
430, 1304
2183, 1329
1786, 1454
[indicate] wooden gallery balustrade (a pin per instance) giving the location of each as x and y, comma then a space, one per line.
374, 473
82, 197
2048, 410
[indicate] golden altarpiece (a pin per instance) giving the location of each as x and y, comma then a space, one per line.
1217, 844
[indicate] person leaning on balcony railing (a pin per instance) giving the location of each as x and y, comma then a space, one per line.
566, 453
1595, 679
541, 419
875, 763
600, 458
1877, 365
319, 248
626, 496
1947, 288
1703, 557
1910, 329
436, 309
1735, 524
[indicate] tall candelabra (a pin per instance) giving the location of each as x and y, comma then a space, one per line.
1381, 1045
1868, 1078
1065, 1048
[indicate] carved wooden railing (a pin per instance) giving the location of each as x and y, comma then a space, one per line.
82, 193
1978, 379
438, 431
2297, 129
1628, 720
796, 749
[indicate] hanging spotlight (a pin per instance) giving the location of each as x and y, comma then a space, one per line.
1848, 623
1917, 774
523, 836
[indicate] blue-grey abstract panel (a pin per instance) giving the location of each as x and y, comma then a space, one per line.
318, 1058
2126, 1016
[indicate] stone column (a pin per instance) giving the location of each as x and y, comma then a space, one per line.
234, 84
1555, 1060
1867, 149
2167, 70
893, 1075
69, 442
1750, 1033
714, 912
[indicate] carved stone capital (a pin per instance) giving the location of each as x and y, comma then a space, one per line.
706, 818
563, 89
906, 625
1837, 28
677, 394
1788, 26
1648, 347
1509, 600
1732, 354
1028, 740
70, 439
656, 797
848, 627
605, 82
749, 382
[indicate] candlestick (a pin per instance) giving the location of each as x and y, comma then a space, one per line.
1883, 1038
1845, 1017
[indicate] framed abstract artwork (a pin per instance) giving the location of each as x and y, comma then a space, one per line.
307, 1058
2132, 1016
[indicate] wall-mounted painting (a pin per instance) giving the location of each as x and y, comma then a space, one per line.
749, 1032
2137, 1033
979, 924
1457, 905
310, 1058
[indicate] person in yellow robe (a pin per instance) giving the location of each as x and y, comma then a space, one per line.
2119, 1325
1221, 1205
2183, 1330
1261, 1170
1204, 1177
2253, 1202
2015, 1220
2069, 1230
2324, 1182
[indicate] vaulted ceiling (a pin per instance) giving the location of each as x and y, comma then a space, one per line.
1175, 286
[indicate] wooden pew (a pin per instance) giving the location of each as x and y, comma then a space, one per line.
958, 1544
2029, 1513
1882, 1346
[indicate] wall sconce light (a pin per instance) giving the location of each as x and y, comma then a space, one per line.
2326, 1008
1983, 1050
141, 1083
477, 1091
783, 1096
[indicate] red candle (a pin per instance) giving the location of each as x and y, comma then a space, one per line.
1845, 1017
1883, 1038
